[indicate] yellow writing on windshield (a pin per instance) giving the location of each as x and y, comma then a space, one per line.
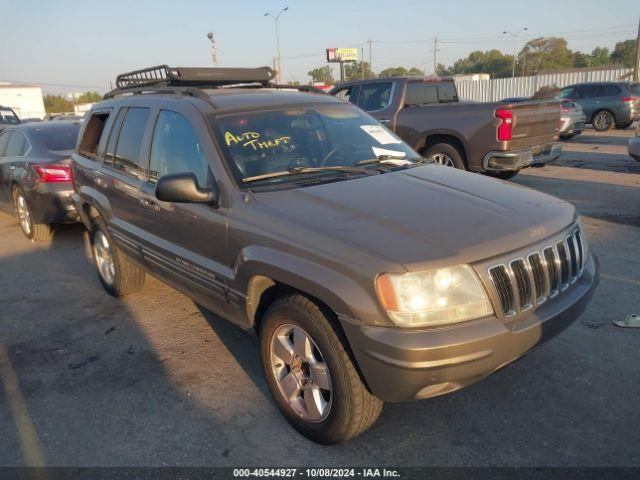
252, 140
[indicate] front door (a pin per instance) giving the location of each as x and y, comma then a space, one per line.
185, 244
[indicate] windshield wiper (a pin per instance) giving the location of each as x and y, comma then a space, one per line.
302, 170
389, 160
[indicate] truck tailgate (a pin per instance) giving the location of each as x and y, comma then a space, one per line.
534, 123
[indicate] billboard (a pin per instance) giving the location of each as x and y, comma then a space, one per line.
335, 55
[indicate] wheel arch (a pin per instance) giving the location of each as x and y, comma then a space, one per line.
444, 137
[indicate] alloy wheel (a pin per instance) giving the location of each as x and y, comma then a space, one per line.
301, 373
24, 216
602, 121
104, 258
443, 159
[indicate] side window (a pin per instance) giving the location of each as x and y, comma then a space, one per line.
127, 154
92, 134
176, 149
590, 91
113, 137
447, 92
420, 93
375, 96
346, 94
4, 139
17, 145
611, 90
567, 93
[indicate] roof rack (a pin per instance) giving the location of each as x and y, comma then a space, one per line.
190, 81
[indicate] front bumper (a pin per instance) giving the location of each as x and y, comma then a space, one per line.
403, 365
51, 203
510, 160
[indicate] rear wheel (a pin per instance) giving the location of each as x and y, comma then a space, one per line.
33, 231
117, 273
310, 373
602, 121
445, 154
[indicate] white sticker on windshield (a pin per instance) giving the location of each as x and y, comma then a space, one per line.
381, 134
392, 153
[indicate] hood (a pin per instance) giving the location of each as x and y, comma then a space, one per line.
425, 216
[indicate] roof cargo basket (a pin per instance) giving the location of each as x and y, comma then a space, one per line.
165, 76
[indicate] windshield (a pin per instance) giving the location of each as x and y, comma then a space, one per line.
8, 117
258, 144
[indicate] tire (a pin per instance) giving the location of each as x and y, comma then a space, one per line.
119, 275
345, 407
602, 121
503, 175
445, 154
623, 126
37, 232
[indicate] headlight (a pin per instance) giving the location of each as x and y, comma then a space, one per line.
435, 297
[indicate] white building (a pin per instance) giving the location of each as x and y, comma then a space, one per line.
26, 100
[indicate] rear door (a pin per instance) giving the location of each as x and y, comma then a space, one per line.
12, 164
121, 175
185, 244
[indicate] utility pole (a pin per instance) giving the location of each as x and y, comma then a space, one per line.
636, 65
370, 65
514, 35
275, 19
362, 62
214, 50
435, 55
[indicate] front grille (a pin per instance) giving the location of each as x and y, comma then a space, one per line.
523, 283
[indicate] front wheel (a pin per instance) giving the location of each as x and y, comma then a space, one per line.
310, 373
445, 154
602, 121
36, 232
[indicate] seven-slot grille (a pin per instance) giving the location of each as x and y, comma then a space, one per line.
526, 282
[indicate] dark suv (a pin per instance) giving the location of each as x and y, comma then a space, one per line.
606, 104
369, 274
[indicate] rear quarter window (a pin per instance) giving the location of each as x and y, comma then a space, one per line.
92, 134
612, 90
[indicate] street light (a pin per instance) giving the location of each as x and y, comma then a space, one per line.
514, 35
275, 19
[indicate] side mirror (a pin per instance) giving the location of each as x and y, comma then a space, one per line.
183, 188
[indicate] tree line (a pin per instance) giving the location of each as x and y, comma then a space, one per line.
539, 55
60, 104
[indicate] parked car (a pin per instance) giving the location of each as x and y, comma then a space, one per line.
606, 104
634, 145
495, 138
35, 175
8, 117
572, 119
369, 274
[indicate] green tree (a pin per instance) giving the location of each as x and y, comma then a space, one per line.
600, 56
543, 54
89, 97
57, 104
322, 74
353, 71
624, 53
493, 62
401, 72
442, 70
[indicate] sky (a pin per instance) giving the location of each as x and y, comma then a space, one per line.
73, 45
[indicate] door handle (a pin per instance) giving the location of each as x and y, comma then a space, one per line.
148, 204
12, 167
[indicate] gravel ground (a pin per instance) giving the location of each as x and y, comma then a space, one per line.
155, 380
